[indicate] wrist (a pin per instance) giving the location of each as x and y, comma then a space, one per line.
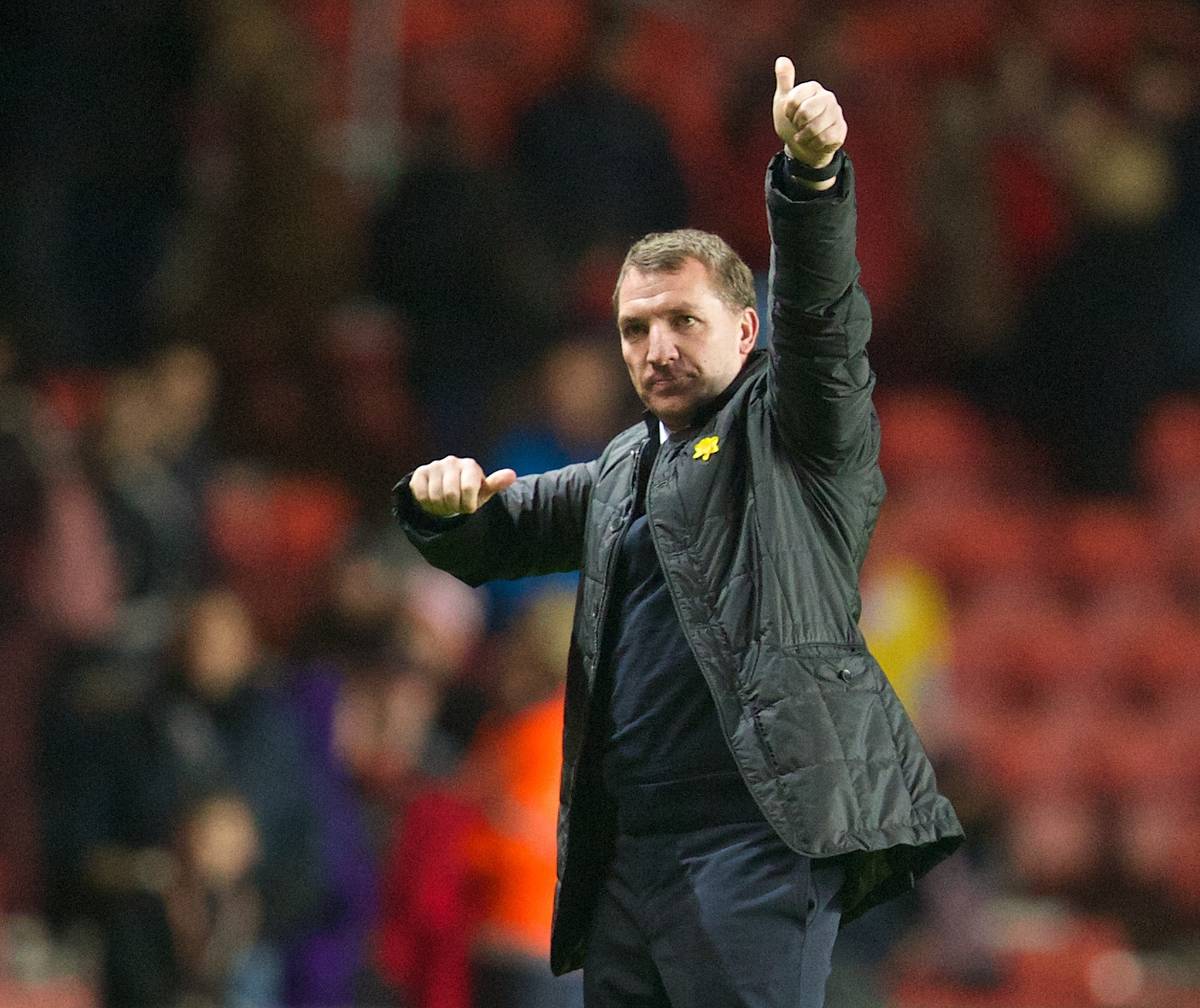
816, 177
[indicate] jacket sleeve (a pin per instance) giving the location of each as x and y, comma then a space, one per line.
536, 526
820, 378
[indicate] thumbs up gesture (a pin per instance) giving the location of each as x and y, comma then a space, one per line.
453, 486
808, 118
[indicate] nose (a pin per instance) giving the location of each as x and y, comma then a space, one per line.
660, 349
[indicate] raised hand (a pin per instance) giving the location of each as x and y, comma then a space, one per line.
453, 486
808, 118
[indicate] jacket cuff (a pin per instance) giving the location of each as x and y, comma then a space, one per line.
790, 180
784, 191
415, 518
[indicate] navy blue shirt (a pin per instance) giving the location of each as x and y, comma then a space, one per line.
662, 723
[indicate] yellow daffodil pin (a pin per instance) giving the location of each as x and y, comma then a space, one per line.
706, 448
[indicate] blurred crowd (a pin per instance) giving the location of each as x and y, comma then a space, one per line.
262, 257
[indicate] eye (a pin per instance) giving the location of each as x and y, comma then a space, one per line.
686, 321
631, 331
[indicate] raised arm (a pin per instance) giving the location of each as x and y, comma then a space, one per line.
821, 320
486, 527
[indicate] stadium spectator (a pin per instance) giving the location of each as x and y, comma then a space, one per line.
593, 164
327, 965
580, 399
132, 776
511, 775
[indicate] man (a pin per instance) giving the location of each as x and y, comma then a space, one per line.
738, 775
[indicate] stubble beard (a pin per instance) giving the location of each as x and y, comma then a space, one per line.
676, 407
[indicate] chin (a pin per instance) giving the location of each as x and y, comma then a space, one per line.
671, 410
661, 407
674, 421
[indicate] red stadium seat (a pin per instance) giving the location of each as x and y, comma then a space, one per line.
932, 437
1148, 711
985, 542
273, 539
1178, 539
1106, 542
1049, 958
1169, 449
1158, 836
1055, 842
1021, 675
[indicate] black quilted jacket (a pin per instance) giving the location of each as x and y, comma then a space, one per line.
761, 542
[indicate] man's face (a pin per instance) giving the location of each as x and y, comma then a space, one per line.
682, 344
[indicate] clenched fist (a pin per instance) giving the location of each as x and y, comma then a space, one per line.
453, 486
808, 118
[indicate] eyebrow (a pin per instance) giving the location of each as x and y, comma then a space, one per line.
687, 308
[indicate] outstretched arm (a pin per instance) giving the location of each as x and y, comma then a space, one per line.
486, 527
821, 320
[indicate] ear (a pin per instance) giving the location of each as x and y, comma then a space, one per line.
747, 331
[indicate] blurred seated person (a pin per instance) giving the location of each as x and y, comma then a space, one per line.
186, 922
128, 811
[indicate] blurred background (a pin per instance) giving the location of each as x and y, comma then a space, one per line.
259, 258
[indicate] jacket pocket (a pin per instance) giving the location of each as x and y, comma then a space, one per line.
821, 712
817, 704
839, 666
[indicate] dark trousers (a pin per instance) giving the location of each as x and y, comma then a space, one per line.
718, 917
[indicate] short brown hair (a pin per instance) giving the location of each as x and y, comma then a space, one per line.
667, 251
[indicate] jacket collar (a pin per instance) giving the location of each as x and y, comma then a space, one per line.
708, 410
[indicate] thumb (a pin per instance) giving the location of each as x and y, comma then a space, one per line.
785, 75
501, 479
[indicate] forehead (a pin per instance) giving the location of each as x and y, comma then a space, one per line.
645, 292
